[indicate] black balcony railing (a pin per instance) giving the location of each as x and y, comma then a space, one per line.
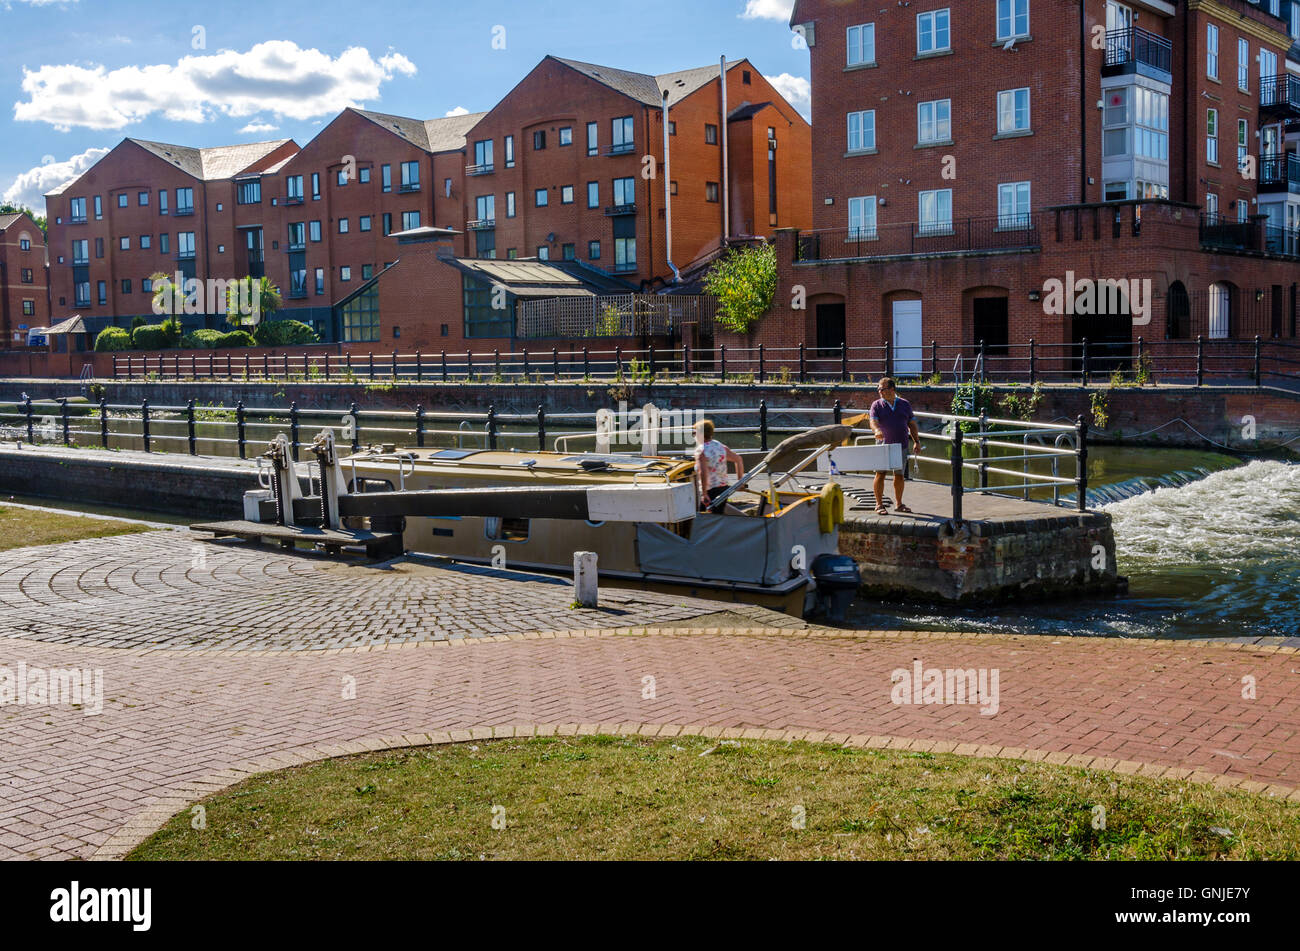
184, 210
481, 224
623, 148
77, 220
1253, 236
407, 187
1135, 46
628, 209
960, 236
1279, 171
486, 169
293, 200
627, 267
1280, 94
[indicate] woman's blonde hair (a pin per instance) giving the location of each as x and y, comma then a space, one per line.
705, 427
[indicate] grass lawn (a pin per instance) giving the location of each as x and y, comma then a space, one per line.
21, 527
639, 798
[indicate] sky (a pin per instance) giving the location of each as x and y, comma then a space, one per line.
81, 75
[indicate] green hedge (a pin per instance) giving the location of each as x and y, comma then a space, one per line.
203, 339
111, 339
236, 338
151, 337
284, 333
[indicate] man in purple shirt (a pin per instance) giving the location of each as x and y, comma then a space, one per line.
893, 422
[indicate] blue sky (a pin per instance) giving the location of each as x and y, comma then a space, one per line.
81, 75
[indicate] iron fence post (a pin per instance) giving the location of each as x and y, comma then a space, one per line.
541, 428
803, 363
1138, 371
618, 357
934, 356
1033, 362
189, 421
722, 363
984, 447
984, 361
327, 367
1087, 365
419, 368
526, 368
293, 429
762, 425
443, 357
1200, 360
63, 412
419, 426
372, 364
394, 366
144, 424
1081, 427
103, 423
837, 413
1258, 367
241, 429
555, 363
844, 362
356, 427
956, 473
686, 359
889, 357
27, 405
762, 364
651, 361
115, 366
496, 365
586, 363
469, 366
492, 427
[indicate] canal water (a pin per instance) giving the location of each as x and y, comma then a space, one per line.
1210, 545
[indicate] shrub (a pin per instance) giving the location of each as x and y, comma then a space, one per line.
744, 282
111, 339
236, 338
151, 337
283, 333
201, 339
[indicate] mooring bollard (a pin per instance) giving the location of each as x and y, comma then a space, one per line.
585, 585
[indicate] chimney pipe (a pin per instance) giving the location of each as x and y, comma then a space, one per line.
726, 184
668, 200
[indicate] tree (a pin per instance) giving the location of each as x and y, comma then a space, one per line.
263, 296
744, 283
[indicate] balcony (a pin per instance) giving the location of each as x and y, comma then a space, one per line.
481, 224
961, 236
1253, 236
293, 246
615, 210
1137, 51
1280, 96
627, 267
407, 187
184, 255
77, 220
293, 200
475, 170
1279, 172
625, 148
183, 211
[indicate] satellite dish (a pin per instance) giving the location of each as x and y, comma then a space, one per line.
550, 238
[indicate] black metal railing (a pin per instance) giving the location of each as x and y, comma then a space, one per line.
1135, 45
627, 209
407, 187
1253, 236
485, 169
999, 233
1280, 93
1279, 169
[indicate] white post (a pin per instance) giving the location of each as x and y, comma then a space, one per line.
649, 430
585, 578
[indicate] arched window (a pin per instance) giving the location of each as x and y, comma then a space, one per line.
1220, 311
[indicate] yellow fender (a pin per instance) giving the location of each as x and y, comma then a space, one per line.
830, 508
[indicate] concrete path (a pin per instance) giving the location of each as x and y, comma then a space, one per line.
287, 661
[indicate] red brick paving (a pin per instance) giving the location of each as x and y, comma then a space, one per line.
69, 781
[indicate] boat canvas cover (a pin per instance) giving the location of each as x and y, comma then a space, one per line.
721, 548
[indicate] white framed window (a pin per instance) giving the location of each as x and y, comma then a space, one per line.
1115, 191
1211, 204
1243, 143
1013, 205
1211, 51
1243, 210
934, 121
862, 131
932, 32
861, 44
1269, 88
1151, 124
1013, 19
1212, 135
1013, 110
935, 211
1243, 65
862, 218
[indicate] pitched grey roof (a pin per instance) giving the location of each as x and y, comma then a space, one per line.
646, 88
212, 163
7, 219
433, 135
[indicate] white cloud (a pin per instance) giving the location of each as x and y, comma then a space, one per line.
39, 3
796, 90
30, 187
768, 10
277, 76
458, 111
258, 127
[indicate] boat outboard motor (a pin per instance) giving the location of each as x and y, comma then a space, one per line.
838, 579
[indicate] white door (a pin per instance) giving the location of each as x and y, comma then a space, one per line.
909, 349
1220, 312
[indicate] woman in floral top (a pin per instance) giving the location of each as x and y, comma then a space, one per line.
711, 458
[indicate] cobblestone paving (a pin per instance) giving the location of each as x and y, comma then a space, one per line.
173, 590
177, 723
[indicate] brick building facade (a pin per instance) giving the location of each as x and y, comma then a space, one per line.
1095, 140
24, 279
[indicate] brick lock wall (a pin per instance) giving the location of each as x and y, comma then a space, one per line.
13, 260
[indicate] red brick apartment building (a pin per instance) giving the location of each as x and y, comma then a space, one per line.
968, 153
568, 168
24, 279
